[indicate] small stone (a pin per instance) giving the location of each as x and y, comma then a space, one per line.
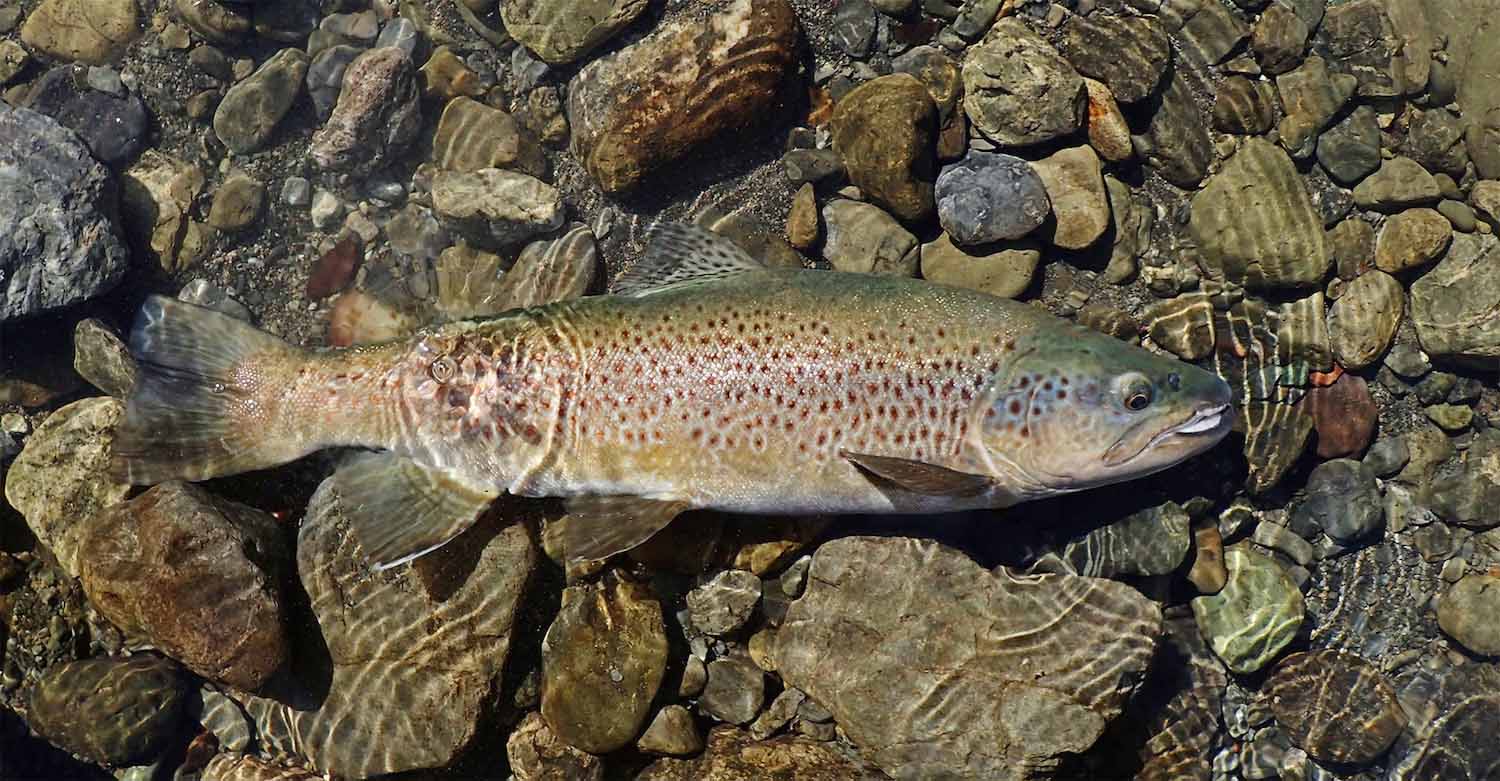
1002, 269
1344, 416
1484, 196
445, 76
884, 130
401, 34
725, 603
53, 28
1211, 31
987, 197
248, 114
854, 25
325, 77
1108, 131
471, 136
1132, 218
1342, 500
778, 714
237, 202
201, 292
1312, 97
1244, 106
1387, 456
1255, 616
1363, 321
102, 358
1350, 150
694, 677
672, 733
1452, 418
863, 238
1399, 183
812, 165
377, 114
1285, 541
1352, 242
735, 691
802, 227
562, 32
1335, 706
326, 209
13, 60
1208, 573
1362, 42
1019, 90
296, 192
939, 73
1459, 215
1074, 182
547, 271
1176, 142
230, 766
1455, 306
536, 753
1278, 39
218, 22
1128, 54
1412, 238
115, 711
497, 208
1435, 140
1466, 613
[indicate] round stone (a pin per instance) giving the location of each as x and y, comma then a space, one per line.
723, 604
1335, 706
1412, 238
1342, 500
116, 711
884, 131
988, 197
1363, 321
108, 27
1003, 269
1255, 616
1467, 613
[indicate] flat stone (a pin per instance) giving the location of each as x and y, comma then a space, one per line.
471, 136
602, 661
1363, 321
1108, 130
1362, 42
1256, 615
1278, 39
376, 117
854, 24
58, 241
1412, 238
237, 202
1132, 215
1344, 416
1342, 500
94, 32
1311, 96
884, 131
1459, 215
1074, 179
1212, 31
1018, 90
184, 543
1435, 139
1386, 457
734, 692
1468, 496
1448, 709
1399, 183
913, 649
247, 116
494, 207
1484, 196
1255, 224
988, 197
1456, 305
1350, 150
1466, 612
1003, 269
445, 76
1335, 706
733, 755
218, 22
1176, 143
561, 32
863, 238
724, 603
802, 219
102, 358
1245, 107
630, 115
1128, 54
536, 753
114, 711
325, 77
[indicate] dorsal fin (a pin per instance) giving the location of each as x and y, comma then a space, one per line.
681, 253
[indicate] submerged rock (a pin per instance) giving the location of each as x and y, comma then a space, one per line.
1003, 269
114, 711
989, 197
496, 208
1456, 305
1074, 179
537, 754
562, 31
1335, 706
112, 125
1363, 321
863, 238
1451, 712
377, 114
247, 116
1018, 90
724, 603
732, 755
1255, 616
1128, 53
1466, 613
916, 651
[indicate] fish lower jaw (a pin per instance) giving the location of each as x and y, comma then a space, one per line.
1203, 421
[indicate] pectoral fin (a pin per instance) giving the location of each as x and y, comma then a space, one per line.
400, 509
597, 527
919, 477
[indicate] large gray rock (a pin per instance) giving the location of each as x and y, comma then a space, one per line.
989, 197
59, 244
1019, 90
938, 669
1456, 305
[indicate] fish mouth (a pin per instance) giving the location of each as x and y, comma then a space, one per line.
1207, 424
1202, 423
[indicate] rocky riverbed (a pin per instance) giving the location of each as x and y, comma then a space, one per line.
1302, 197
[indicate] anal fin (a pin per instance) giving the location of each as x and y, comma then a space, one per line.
597, 527
919, 476
400, 509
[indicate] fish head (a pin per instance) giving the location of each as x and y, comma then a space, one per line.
1086, 410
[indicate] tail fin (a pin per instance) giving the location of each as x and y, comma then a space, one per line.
205, 397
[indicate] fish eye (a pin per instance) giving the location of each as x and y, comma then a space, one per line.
443, 369
1135, 392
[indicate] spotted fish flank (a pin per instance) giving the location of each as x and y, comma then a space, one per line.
706, 380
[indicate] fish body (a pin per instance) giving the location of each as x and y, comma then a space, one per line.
721, 385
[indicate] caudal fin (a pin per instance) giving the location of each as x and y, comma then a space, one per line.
205, 397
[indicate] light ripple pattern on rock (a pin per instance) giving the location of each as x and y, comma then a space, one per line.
732, 755
1452, 712
561, 32
114, 711
1255, 616
936, 668
1334, 705
1456, 305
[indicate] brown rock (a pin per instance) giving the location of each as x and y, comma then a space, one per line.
1208, 573
1344, 416
90, 31
802, 218
1003, 269
1074, 179
1412, 238
684, 84
113, 711
537, 754
1108, 132
1335, 706
377, 115
732, 755
1363, 321
246, 767
884, 130
471, 136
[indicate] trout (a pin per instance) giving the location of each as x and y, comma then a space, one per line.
704, 380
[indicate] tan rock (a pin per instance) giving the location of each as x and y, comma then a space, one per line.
96, 32
1003, 269
1074, 179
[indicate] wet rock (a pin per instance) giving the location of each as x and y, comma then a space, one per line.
1210, 31
630, 115
237, 202
672, 733
247, 116
1176, 143
157, 197
1256, 615
1484, 196
1183, 326
435, 634
1435, 140
1350, 150
1342, 500
445, 76
734, 692
470, 283
112, 125
1259, 187
1152, 541
1278, 39
1003, 269
1018, 90
377, 114
224, 718
247, 767
114, 711
1452, 418
1363, 321
536, 753
1459, 215
724, 603
863, 238
58, 240
1449, 709
1470, 495
61, 478
53, 29
471, 136
1335, 706
1127, 53
146, 565
1108, 130
1245, 107
854, 24
1132, 217
1207, 572
1285, 541
988, 197
102, 358
732, 755
1412, 238
1074, 180
939, 73
218, 22
1466, 613
1352, 242
325, 77
560, 32
1387, 456
602, 661
1456, 305
1312, 97
884, 130
1399, 183
812, 165
802, 225
1362, 42
908, 644
496, 208
1344, 415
